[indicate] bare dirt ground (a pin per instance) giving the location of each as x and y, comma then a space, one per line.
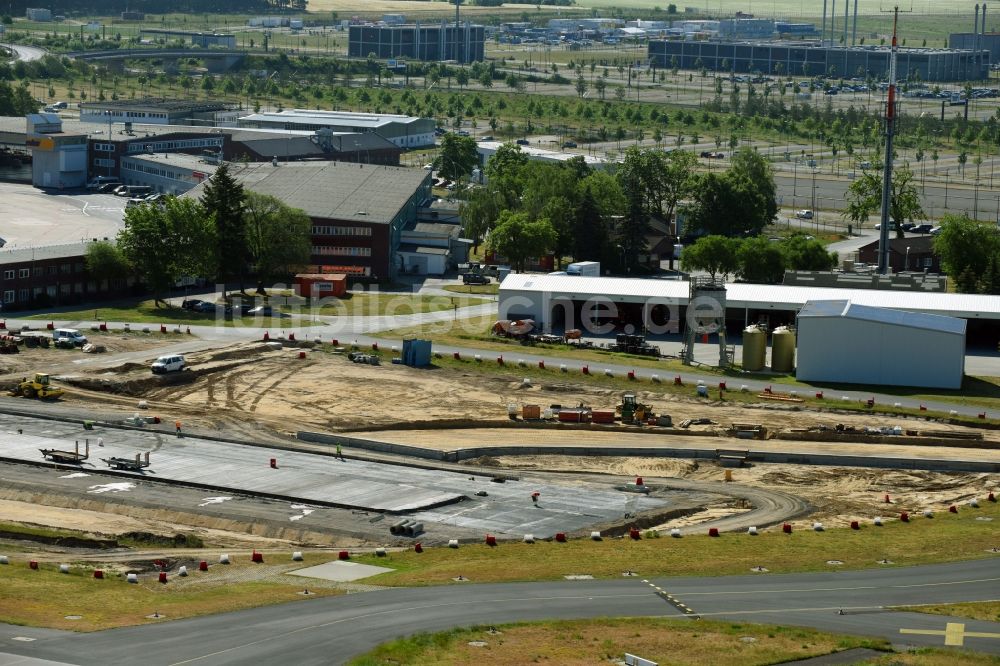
252, 390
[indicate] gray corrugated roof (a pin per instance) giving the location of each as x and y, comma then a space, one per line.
437, 228
333, 190
422, 249
849, 310
21, 255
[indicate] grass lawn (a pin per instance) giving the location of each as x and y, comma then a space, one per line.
146, 312
492, 288
946, 537
382, 303
606, 640
988, 611
45, 597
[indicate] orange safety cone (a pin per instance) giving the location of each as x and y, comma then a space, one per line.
887, 500
456, 356
541, 365
291, 337
267, 336
952, 509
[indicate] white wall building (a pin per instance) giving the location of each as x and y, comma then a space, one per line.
840, 341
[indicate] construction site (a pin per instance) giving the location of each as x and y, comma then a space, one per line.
292, 442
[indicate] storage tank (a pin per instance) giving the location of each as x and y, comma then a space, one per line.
783, 349
754, 348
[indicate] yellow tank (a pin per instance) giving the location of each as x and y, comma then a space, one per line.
754, 348
783, 350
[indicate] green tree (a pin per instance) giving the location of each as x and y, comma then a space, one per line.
105, 261
277, 236
164, 243
807, 254
864, 198
969, 252
223, 199
753, 179
760, 261
518, 239
716, 255
458, 156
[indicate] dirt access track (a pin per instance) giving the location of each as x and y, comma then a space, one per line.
268, 394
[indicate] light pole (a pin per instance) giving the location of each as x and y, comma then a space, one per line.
906, 264
814, 211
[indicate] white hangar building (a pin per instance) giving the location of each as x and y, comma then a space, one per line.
841, 341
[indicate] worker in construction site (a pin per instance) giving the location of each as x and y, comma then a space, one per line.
340, 452
177, 425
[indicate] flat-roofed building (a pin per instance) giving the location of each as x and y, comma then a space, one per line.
404, 131
158, 111
430, 41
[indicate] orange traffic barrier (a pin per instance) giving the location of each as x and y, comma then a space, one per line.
203, 566
713, 531
98, 574
491, 540
541, 365
905, 517
33, 564
257, 557
855, 525
561, 537
417, 548
163, 577
343, 555
952, 509
786, 528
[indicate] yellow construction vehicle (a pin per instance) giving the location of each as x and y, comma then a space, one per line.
38, 386
633, 411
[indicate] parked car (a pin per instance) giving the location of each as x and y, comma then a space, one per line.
165, 364
907, 226
265, 311
191, 303
804, 214
475, 278
935, 231
892, 226
121, 191
522, 142
922, 228
205, 306
98, 182
109, 188
133, 202
569, 144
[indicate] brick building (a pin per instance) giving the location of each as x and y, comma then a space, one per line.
52, 275
914, 254
358, 211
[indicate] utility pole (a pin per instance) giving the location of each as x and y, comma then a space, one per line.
890, 122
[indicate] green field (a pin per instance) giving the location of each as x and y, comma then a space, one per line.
389, 304
146, 312
603, 640
946, 537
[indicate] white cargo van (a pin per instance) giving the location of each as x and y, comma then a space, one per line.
76, 337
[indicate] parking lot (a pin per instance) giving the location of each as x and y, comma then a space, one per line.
34, 217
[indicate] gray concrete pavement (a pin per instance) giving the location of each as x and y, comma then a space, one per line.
437, 497
332, 630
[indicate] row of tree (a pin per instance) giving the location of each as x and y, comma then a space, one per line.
598, 216
228, 234
757, 259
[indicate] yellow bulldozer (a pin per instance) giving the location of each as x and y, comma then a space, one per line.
38, 386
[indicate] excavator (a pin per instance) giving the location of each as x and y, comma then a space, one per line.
38, 386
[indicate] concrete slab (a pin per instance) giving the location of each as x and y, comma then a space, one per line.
434, 497
339, 571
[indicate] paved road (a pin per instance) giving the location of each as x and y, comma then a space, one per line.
27, 53
332, 630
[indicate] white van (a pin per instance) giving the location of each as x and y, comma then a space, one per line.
172, 363
78, 338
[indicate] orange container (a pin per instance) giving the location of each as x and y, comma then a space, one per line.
603, 416
531, 412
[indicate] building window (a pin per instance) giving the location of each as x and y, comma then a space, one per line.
66, 268
343, 251
24, 272
39, 271
8, 296
104, 147
51, 270
23, 295
341, 231
8, 275
108, 164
